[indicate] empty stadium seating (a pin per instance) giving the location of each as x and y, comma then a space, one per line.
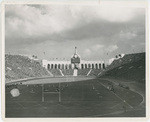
83, 71
95, 72
130, 67
67, 71
128, 58
19, 67
55, 72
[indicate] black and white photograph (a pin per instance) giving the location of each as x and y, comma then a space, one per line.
73, 60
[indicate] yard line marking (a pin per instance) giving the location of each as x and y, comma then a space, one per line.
59, 93
51, 92
42, 93
118, 96
30, 101
62, 105
20, 105
115, 105
37, 105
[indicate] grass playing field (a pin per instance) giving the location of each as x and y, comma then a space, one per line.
71, 97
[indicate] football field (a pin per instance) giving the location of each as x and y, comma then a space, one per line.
70, 97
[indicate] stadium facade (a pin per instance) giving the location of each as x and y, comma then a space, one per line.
70, 64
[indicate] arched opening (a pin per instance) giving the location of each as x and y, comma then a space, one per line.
103, 66
55, 66
92, 66
48, 66
66, 66
70, 66
89, 65
52, 66
85, 66
96, 66
99, 66
62, 66
82, 67
58, 66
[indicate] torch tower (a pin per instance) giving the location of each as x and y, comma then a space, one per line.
75, 61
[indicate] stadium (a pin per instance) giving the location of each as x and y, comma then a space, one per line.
35, 89
64, 60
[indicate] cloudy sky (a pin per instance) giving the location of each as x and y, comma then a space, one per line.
98, 32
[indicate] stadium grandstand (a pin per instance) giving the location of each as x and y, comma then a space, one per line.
75, 88
55, 72
130, 67
75, 60
126, 66
20, 67
67, 72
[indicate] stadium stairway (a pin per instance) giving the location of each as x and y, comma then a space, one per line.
67, 72
89, 72
94, 72
83, 71
61, 72
55, 72
49, 72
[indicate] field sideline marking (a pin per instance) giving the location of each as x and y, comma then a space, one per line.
133, 90
117, 112
102, 115
117, 96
